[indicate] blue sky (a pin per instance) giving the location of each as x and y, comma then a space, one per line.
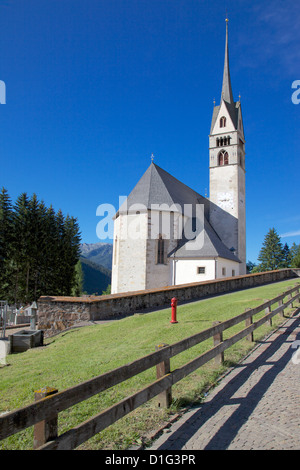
94, 87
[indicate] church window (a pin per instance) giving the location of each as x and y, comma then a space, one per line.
218, 142
201, 270
223, 158
223, 121
223, 271
160, 250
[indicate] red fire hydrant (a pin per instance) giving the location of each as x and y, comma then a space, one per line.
174, 310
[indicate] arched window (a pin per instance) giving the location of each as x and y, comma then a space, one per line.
223, 121
160, 250
218, 142
223, 158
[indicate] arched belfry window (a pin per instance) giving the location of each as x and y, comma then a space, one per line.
160, 250
223, 158
223, 121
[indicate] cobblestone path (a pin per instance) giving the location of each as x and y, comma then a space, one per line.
255, 406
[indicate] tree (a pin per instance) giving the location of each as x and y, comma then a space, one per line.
20, 251
107, 291
271, 255
295, 256
287, 258
39, 250
6, 238
77, 289
250, 267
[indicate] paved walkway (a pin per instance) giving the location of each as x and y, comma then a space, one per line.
255, 406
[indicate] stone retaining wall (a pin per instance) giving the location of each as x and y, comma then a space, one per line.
58, 313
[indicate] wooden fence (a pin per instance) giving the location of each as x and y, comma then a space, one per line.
49, 402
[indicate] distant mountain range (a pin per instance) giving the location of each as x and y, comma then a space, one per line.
96, 261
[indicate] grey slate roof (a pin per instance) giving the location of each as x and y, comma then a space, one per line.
212, 247
159, 187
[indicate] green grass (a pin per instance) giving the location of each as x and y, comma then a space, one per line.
80, 354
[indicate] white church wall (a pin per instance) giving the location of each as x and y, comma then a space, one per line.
229, 125
184, 271
168, 225
129, 257
227, 268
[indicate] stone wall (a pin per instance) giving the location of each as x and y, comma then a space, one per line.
58, 313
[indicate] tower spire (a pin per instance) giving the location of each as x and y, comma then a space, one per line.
226, 87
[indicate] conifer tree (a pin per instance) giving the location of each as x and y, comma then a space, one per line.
77, 289
6, 238
271, 255
295, 255
39, 250
20, 254
287, 258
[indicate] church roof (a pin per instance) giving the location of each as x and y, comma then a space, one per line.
157, 186
211, 246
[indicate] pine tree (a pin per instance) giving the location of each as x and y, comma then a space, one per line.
20, 255
39, 251
294, 250
287, 258
295, 255
50, 261
71, 252
271, 255
77, 289
6, 238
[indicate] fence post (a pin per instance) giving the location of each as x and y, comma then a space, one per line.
46, 430
280, 303
297, 293
268, 310
163, 368
218, 338
249, 322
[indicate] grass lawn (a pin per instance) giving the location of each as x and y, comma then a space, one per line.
80, 354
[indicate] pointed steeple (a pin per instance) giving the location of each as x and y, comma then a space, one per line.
226, 87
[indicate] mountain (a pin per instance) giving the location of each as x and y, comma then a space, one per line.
96, 278
98, 253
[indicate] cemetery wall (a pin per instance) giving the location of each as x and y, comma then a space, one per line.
58, 313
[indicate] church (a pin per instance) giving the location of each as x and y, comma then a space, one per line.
165, 233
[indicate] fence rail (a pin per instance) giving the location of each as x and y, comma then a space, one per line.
43, 413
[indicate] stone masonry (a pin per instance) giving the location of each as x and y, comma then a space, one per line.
58, 313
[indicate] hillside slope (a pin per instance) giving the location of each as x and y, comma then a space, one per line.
96, 278
98, 253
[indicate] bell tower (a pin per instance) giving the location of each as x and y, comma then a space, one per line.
227, 169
